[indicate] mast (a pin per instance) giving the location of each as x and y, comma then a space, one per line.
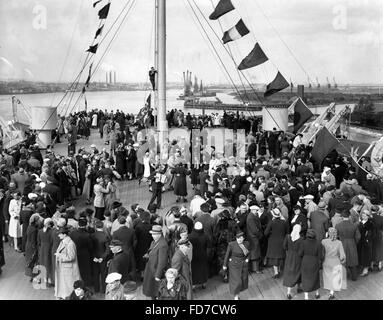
161, 114
155, 98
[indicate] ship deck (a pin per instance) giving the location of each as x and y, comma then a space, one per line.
14, 285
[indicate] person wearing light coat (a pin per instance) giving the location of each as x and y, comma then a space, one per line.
67, 270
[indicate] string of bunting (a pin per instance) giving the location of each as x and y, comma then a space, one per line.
256, 56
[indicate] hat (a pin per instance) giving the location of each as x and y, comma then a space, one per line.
183, 209
308, 197
156, 229
114, 276
254, 208
322, 205
205, 207
338, 193
297, 207
115, 243
198, 226
32, 196
116, 204
130, 287
82, 222
79, 284
239, 234
183, 242
219, 200
311, 234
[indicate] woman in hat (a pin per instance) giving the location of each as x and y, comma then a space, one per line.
293, 245
200, 269
236, 261
67, 270
365, 243
181, 262
80, 292
114, 288
172, 287
31, 248
276, 231
334, 273
312, 253
44, 244
180, 186
14, 222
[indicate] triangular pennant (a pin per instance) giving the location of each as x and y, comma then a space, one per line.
103, 13
223, 7
97, 2
83, 90
148, 100
89, 75
92, 49
301, 114
99, 31
236, 32
325, 142
254, 58
278, 84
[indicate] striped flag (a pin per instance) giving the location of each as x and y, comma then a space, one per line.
236, 32
223, 7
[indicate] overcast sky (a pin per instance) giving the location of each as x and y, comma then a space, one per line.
329, 38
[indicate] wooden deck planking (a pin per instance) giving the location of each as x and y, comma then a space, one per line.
15, 285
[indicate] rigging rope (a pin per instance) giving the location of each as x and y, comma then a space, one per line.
232, 58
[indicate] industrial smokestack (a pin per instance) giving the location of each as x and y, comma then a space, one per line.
114, 76
110, 77
106, 77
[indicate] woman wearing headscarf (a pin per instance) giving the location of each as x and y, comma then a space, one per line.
236, 261
67, 270
312, 253
31, 248
276, 232
44, 244
172, 287
365, 243
199, 266
334, 274
293, 244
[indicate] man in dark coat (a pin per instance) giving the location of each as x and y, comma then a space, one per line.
208, 227
200, 243
157, 262
101, 253
319, 222
121, 262
25, 215
253, 235
55, 193
180, 186
349, 234
181, 262
84, 247
144, 239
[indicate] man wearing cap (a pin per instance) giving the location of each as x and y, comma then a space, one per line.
254, 234
310, 205
114, 288
121, 262
181, 263
349, 234
319, 221
157, 256
85, 253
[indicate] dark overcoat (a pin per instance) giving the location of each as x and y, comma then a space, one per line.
237, 264
182, 263
122, 264
365, 243
155, 267
292, 269
144, 239
377, 242
312, 256
180, 188
254, 234
121, 161
31, 249
44, 243
276, 231
84, 248
349, 234
200, 269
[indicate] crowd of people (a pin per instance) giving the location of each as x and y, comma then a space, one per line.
280, 210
